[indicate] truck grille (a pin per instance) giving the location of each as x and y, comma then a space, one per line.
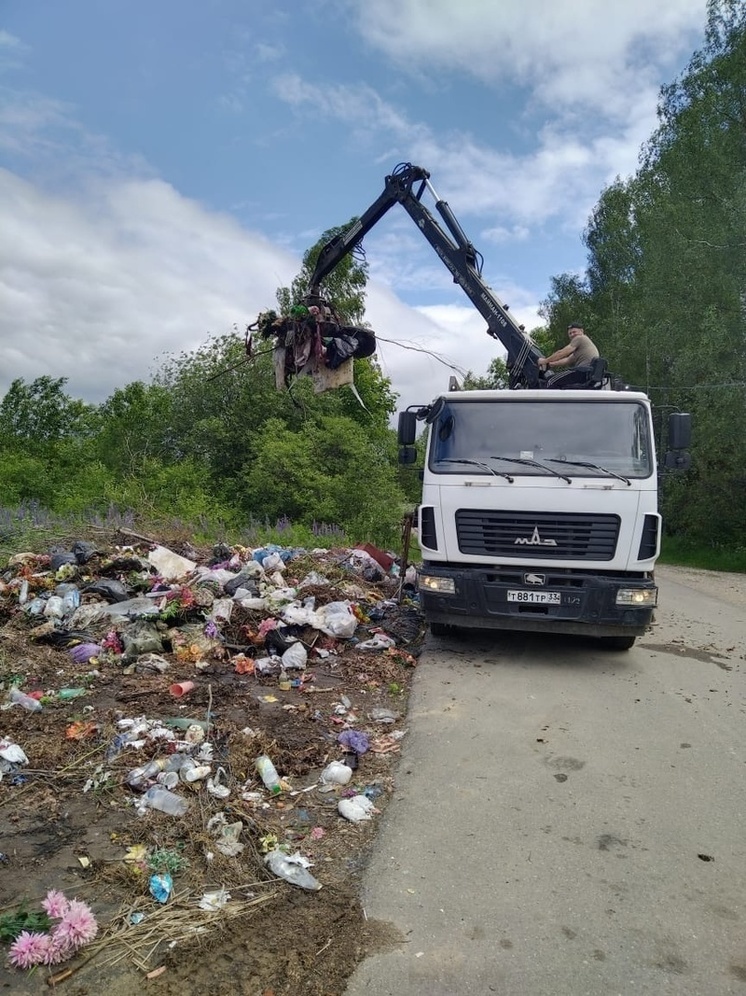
545, 535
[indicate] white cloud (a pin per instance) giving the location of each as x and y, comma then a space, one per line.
558, 179
97, 290
432, 343
12, 51
577, 52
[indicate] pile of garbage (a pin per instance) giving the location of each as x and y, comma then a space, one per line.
236, 707
313, 340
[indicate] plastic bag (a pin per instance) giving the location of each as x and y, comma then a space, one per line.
293, 868
295, 657
336, 773
273, 562
379, 642
296, 614
357, 809
336, 619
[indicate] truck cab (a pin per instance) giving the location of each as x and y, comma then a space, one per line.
539, 512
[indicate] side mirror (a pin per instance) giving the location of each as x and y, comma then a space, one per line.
407, 455
677, 460
679, 430
407, 431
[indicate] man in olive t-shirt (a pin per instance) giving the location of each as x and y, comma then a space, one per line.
580, 351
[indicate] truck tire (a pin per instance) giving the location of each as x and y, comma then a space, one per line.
441, 629
618, 642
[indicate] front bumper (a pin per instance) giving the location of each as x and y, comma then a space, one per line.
586, 606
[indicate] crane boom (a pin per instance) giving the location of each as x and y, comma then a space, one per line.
406, 186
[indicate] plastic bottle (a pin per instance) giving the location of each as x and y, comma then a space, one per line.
53, 608
190, 771
138, 778
71, 693
70, 596
17, 697
292, 871
164, 801
268, 774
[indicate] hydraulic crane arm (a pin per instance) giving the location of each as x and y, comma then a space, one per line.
406, 186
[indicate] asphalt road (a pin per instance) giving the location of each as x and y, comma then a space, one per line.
571, 821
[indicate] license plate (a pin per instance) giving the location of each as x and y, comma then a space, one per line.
536, 597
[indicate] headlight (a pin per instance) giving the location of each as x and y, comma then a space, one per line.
647, 597
444, 585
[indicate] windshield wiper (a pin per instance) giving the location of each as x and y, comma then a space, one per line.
592, 466
484, 466
534, 463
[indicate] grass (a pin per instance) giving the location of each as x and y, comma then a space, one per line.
30, 527
683, 553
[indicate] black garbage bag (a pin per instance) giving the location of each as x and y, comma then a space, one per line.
59, 558
339, 349
280, 639
241, 581
83, 551
109, 588
64, 638
366, 343
220, 553
349, 341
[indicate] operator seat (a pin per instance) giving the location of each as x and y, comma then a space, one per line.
589, 375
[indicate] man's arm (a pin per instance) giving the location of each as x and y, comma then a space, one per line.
558, 357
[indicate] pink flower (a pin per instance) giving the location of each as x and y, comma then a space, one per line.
28, 949
59, 948
55, 905
78, 925
49, 955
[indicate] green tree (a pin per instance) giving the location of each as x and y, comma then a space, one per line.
344, 286
38, 415
134, 426
326, 472
495, 378
666, 279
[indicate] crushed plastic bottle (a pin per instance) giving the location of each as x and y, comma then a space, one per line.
268, 774
140, 778
293, 869
190, 771
17, 697
164, 801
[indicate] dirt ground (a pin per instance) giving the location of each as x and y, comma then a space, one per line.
730, 587
69, 820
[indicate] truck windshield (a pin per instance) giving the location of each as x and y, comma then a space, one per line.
573, 438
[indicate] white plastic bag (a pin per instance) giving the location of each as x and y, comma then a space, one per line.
336, 619
314, 578
295, 657
293, 868
379, 642
273, 562
221, 610
357, 809
296, 614
336, 773
169, 564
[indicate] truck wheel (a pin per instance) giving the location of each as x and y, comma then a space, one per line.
618, 642
441, 629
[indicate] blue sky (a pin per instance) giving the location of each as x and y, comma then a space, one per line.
163, 166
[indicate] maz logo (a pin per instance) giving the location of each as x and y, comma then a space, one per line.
535, 540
